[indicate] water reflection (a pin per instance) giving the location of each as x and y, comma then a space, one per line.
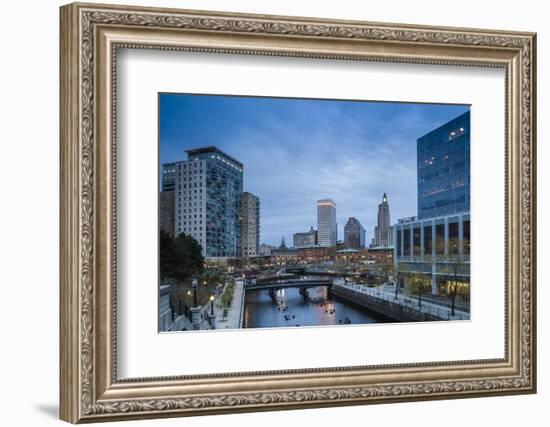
295, 307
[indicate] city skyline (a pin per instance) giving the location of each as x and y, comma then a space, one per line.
372, 140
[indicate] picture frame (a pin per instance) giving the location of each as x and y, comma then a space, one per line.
91, 36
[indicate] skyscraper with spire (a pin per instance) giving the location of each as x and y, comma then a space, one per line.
383, 232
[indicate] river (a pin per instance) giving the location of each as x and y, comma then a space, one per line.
293, 309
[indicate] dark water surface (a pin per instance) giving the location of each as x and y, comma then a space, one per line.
292, 308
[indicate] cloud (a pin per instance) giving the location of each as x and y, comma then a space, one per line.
291, 167
296, 152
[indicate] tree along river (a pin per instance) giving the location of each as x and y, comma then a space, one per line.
291, 308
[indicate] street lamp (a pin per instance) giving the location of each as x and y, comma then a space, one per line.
211, 305
194, 284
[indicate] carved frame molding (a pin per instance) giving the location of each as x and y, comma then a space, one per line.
90, 37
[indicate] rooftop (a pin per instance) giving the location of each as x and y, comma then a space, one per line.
211, 149
326, 202
381, 248
347, 251
447, 124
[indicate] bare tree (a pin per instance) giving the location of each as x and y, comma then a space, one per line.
418, 286
454, 264
396, 282
392, 273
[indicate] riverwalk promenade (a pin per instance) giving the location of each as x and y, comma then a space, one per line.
404, 306
234, 316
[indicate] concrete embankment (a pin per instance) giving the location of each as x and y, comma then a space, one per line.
383, 306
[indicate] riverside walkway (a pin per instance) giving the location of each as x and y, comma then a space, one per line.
428, 308
234, 316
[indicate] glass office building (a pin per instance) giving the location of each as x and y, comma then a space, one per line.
443, 157
435, 244
354, 234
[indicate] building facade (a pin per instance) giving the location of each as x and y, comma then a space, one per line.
443, 157
207, 196
327, 229
307, 256
265, 249
438, 248
383, 232
354, 234
250, 225
329, 255
306, 239
435, 244
167, 211
167, 201
166, 316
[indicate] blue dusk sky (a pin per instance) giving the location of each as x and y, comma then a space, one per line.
296, 151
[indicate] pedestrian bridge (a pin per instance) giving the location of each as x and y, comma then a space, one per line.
298, 273
282, 283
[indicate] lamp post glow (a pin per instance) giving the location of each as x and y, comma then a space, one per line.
211, 305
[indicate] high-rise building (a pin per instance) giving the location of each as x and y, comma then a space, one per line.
306, 239
167, 199
354, 234
383, 232
327, 229
443, 159
436, 243
207, 194
250, 225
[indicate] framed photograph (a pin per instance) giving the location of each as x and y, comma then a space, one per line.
265, 212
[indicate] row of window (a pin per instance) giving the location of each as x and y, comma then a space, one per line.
427, 191
441, 137
185, 222
180, 186
444, 204
447, 169
193, 196
197, 174
433, 243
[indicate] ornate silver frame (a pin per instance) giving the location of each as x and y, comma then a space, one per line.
90, 36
